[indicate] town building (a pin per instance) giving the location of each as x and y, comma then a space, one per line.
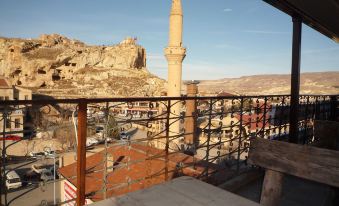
119, 170
14, 116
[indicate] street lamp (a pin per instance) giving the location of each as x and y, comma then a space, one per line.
48, 153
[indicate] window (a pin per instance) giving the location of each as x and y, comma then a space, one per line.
17, 123
14, 180
143, 104
8, 123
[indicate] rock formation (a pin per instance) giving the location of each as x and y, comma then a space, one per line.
58, 66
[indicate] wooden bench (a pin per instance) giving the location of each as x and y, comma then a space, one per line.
327, 134
312, 163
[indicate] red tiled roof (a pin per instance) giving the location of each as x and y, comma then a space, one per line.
4, 83
140, 168
254, 121
225, 94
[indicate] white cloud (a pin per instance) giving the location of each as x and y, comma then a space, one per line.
228, 10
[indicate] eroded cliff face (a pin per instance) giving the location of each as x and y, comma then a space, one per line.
58, 66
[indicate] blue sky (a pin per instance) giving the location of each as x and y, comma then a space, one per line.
224, 38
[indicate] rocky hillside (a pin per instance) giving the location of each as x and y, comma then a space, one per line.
311, 83
58, 66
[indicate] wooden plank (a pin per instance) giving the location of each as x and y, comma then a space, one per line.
320, 165
272, 188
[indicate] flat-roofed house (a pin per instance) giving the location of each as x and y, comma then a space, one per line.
14, 115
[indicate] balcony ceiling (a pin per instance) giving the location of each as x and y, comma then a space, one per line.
321, 15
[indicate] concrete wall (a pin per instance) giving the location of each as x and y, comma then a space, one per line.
8, 93
68, 192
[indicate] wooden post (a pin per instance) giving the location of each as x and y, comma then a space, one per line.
81, 153
333, 115
295, 80
272, 187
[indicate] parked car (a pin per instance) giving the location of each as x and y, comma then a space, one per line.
36, 154
46, 175
11, 137
49, 152
99, 133
13, 180
31, 177
91, 141
38, 168
90, 112
109, 139
124, 136
56, 172
99, 129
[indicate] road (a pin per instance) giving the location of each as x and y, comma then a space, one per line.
34, 194
39, 194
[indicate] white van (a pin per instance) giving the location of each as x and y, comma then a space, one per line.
13, 180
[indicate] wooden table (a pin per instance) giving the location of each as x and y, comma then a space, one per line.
183, 191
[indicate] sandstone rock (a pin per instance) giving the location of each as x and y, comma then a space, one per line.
54, 62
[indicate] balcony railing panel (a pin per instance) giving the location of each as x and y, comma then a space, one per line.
133, 143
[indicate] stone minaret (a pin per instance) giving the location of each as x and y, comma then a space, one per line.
175, 54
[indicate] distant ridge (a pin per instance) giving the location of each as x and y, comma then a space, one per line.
311, 83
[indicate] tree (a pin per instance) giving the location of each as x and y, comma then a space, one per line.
112, 129
66, 135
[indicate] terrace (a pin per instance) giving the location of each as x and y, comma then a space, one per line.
214, 150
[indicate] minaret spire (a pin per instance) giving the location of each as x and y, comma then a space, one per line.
176, 24
175, 55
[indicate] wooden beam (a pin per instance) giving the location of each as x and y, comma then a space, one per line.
272, 188
81, 152
334, 107
295, 80
316, 164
